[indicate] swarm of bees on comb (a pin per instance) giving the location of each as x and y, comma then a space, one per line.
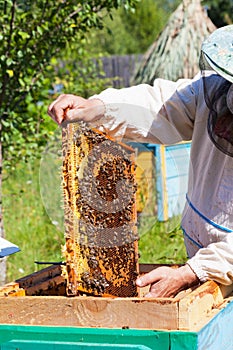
99, 188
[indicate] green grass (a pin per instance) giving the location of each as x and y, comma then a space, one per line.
27, 224
161, 242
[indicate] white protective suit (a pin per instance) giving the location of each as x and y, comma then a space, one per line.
168, 113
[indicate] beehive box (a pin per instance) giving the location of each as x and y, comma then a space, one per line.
40, 299
171, 169
36, 313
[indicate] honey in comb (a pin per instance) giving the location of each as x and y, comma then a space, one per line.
99, 189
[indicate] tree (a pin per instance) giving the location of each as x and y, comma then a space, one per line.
31, 34
130, 32
220, 11
143, 25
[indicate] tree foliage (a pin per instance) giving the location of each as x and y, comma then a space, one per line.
130, 32
31, 34
220, 11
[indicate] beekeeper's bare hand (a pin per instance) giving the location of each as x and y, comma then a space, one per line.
167, 281
68, 107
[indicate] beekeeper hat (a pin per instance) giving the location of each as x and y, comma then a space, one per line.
217, 52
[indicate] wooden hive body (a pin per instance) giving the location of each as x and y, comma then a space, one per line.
40, 299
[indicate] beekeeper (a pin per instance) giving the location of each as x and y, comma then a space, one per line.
168, 112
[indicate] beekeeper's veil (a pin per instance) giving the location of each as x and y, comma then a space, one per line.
217, 55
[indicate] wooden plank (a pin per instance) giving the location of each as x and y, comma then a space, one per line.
145, 268
200, 302
39, 276
49, 287
90, 312
189, 310
120, 68
78, 338
48, 281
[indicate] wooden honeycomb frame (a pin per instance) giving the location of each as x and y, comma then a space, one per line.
100, 213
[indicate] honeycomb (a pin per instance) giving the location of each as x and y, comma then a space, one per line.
99, 187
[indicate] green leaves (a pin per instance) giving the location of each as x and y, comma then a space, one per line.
23, 35
133, 30
32, 35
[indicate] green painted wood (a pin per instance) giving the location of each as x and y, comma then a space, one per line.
14, 337
183, 340
48, 345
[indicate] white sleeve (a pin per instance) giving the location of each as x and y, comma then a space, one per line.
162, 113
215, 262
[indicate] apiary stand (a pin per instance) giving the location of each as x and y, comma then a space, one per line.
35, 313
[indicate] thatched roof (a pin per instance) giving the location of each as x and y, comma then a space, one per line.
175, 53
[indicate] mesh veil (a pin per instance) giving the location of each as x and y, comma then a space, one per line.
220, 120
